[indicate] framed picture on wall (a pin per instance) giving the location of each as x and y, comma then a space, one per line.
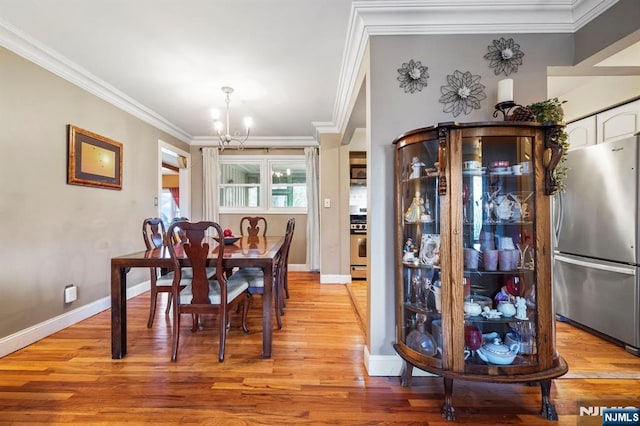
93, 160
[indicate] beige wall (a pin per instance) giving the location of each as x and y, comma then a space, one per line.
55, 234
334, 226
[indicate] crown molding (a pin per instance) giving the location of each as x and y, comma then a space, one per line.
379, 17
584, 11
420, 17
34, 51
262, 142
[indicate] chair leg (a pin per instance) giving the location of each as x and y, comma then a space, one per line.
152, 308
286, 282
222, 315
281, 281
166, 311
176, 334
196, 323
245, 310
276, 302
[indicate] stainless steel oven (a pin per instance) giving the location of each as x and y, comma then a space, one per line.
358, 246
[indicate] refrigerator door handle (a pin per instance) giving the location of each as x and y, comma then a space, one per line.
560, 216
619, 269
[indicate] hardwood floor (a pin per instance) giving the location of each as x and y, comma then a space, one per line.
316, 375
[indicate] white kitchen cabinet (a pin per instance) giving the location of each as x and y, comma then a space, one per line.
582, 132
618, 122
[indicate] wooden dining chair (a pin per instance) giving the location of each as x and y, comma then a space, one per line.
153, 233
250, 226
255, 276
291, 226
204, 295
176, 237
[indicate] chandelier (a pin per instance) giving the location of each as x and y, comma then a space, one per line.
224, 133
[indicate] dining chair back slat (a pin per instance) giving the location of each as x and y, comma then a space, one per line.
153, 234
250, 226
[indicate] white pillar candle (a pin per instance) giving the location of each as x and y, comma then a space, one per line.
505, 90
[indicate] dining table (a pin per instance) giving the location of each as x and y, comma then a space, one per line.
247, 251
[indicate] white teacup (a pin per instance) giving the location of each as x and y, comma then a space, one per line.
469, 165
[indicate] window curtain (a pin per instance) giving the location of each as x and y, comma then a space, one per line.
210, 168
313, 209
175, 194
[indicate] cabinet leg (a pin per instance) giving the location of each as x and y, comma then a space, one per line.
448, 412
548, 410
407, 374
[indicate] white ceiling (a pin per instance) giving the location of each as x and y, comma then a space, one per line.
290, 61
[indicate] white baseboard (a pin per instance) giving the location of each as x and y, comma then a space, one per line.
334, 279
297, 267
388, 365
23, 338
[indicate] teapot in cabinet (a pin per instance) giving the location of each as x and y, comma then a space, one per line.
472, 308
498, 353
507, 308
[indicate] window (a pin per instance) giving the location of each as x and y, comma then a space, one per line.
168, 207
268, 185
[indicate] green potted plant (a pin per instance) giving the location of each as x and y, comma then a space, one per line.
550, 110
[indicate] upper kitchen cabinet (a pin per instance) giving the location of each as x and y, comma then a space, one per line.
582, 132
619, 122
473, 254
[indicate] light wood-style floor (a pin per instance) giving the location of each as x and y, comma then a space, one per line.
316, 375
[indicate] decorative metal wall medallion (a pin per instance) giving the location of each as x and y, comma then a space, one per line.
462, 94
413, 76
505, 56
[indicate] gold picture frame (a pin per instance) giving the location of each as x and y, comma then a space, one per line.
93, 160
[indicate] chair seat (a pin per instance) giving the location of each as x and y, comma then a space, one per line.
235, 286
188, 272
253, 276
187, 276
167, 280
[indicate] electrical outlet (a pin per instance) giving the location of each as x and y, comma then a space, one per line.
327, 203
70, 293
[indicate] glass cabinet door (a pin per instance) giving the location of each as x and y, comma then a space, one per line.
420, 230
498, 195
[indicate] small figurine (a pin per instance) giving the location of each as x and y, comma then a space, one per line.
416, 165
409, 251
503, 295
426, 216
489, 313
415, 210
521, 308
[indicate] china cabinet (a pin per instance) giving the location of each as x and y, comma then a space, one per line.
473, 254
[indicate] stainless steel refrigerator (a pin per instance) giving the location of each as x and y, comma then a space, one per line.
596, 259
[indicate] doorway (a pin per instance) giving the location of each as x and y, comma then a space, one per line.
174, 177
